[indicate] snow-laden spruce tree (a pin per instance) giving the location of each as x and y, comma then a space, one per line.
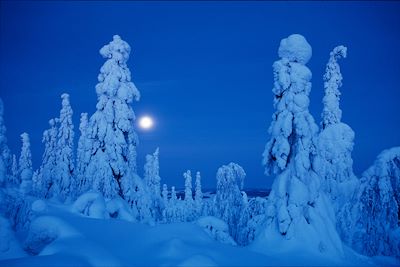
152, 180
152, 173
165, 202
174, 211
37, 184
25, 165
198, 197
253, 219
188, 201
5, 155
47, 176
112, 164
14, 177
82, 156
64, 152
375, 212
228, 197
335, 142
298, 210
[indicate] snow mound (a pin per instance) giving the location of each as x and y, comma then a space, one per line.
217, 229
198, 260
44, 230
295, 48
91, 204
9, 246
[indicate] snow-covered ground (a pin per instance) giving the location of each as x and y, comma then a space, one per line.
84, 241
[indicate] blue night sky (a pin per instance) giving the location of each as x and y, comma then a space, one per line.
204, 72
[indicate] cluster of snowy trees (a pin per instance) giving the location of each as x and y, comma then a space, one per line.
315, 198
100, 178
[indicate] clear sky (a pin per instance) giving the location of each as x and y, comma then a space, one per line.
204, 72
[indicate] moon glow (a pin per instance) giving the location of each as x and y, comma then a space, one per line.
146, 122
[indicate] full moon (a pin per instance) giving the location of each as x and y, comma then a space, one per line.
146, 122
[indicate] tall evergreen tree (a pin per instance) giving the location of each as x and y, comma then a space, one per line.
188, 186
14, 178
198, 197
165, 202
151, 173
189, 206
83, 156
47, 175
336, 140
25, 165
112, 164
297, 204
152, 180
65, 146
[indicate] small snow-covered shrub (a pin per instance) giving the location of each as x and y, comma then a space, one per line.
217, 229
91, 204
118, 208
44, 230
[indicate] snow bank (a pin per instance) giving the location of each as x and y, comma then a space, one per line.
9, 246
122, 243
44, 230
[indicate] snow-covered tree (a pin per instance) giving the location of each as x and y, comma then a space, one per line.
37, 184
198, 197
83, 156
374, 227
165, 202
64, 151
141, 200
47, 176
174, 197
165, 194
253, 219
152, 180
332, 114
298, 207
14, 177
25, 165
5, 155
188, 201
112, 162
151, 173
335, 142
174, 212
188, 186
228, 198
